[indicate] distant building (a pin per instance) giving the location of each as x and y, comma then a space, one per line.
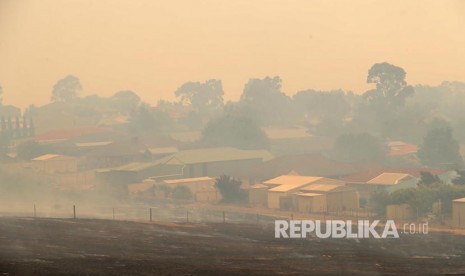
202, 188
307, 194
212, 162
384, 181
54, 163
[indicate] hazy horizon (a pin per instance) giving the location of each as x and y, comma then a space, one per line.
152, 48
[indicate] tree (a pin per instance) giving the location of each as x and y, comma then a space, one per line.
391, 88
66, 89
359, 147
201, 96
230, 189
125, 100
182, 193
313, 105
143, 120
440, 149
266, 100
460, 178
428, 179
235, 131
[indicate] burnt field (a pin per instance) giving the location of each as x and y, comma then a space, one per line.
102, 247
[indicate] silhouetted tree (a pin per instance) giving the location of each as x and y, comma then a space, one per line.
230, 189
201, 96
125, 101
440, 149
391, 88
66, 89
266, 100
428, 179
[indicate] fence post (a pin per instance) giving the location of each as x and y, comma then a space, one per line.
74, 211
224, 217
150, 213
113, 213
187, 215
35, 212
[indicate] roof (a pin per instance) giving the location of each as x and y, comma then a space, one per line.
389, 178
287, 187
286, 133
187, 180
398, 148
366, 176
163, 150
258, 186
119, 148
93, 144
134, 167
292, 180
209, 155
322, 187
303, 164
461, 200
47, 157
309, 194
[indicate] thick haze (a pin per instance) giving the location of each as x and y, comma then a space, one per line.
152, 47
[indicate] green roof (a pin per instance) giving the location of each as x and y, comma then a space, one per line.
209, 155
134, 167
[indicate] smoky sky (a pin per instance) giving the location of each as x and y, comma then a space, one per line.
153, 47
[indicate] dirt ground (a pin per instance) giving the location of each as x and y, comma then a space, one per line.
31, 246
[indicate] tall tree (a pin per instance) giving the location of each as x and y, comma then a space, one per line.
125, 100
440, 149
66, 89
391, 88
266, 100
230, 189
201, 96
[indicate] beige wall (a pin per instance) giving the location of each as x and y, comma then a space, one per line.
458, 214
314, 204
399, 212
258, 196
343, 200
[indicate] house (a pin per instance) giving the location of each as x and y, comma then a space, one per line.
282, 188
52, 163
160, 152
116, 153
202, 188
124, 175
384, 181
212, 161
303, 164
458, 213
338, 196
